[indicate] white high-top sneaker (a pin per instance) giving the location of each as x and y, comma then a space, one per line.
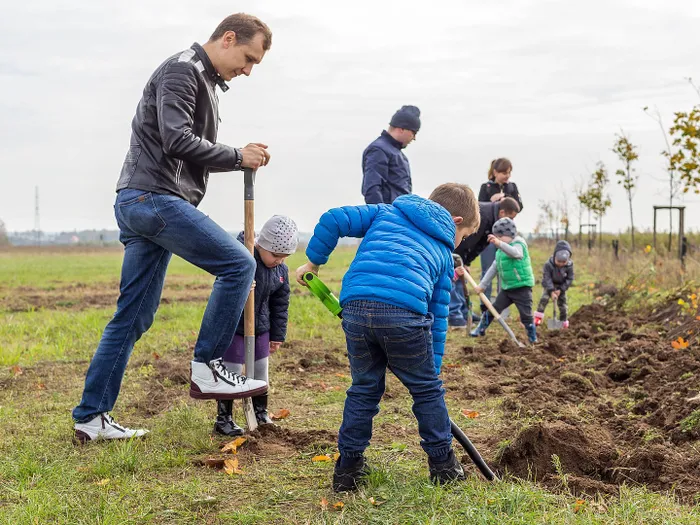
215, 381
104, 427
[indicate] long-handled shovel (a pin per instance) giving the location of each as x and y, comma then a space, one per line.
320, 290
249, 312
493, 311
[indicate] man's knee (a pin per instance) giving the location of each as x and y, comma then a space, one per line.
239, 265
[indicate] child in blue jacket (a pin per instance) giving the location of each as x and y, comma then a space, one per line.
395, 303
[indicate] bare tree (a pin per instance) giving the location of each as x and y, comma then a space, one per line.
627, 153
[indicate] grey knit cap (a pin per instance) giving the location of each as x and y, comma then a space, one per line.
505, 226
279, 235
561, 256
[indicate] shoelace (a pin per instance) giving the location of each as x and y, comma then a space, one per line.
225, 372
113, 423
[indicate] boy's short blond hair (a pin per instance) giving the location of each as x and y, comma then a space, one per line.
460, 201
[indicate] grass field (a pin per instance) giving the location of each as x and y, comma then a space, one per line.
53, 307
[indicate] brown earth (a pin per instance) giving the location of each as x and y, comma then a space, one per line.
609, 398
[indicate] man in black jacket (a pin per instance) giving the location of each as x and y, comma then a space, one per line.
173, 149
470, 248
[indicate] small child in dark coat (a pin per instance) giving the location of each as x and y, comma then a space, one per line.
278, 239
557, 277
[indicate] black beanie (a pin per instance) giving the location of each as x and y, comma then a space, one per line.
408, 117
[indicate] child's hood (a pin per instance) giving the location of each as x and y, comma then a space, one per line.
562, 246
429, 217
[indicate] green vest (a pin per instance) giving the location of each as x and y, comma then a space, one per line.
515, 273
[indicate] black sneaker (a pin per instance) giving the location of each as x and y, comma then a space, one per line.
446, 471
349, 478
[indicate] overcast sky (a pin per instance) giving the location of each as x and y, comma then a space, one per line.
545, 83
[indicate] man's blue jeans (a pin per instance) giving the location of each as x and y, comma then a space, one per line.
459, 309
152, 228
379, 336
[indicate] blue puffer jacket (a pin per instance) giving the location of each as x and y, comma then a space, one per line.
386, 173
404, 260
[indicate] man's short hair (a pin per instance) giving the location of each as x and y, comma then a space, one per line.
509, 205
460, 201
246, 27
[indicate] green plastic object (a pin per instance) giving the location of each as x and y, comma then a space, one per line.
321, 291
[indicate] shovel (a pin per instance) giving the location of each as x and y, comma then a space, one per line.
249, 312
320, 290
554, 323
493, 311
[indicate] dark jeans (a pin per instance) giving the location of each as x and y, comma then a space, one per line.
152, 228
521, 297
561, 304
487, 257
379, 336
459, 306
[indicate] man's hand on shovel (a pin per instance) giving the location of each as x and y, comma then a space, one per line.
255, 155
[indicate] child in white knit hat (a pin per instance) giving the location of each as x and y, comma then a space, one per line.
278, 239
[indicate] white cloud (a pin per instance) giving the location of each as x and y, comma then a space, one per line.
546, 83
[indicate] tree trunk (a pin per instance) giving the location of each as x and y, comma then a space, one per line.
670, 215
629, 195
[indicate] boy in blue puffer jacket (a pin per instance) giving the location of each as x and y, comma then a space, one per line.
395, 303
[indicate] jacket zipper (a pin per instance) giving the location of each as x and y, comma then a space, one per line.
517, 274
177, 173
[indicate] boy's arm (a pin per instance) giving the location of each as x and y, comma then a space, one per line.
439, 307
279, 311
514, 252
569, 278
489, 275
547, 282
348, 221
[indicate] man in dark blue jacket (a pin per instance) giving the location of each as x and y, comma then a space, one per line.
385, 169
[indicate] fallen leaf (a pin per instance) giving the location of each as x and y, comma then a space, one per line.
82, 469
324, 504
322, 457
231, 467
156, 356
471, 414
338, 505
697, 318
336, 456
281, 414
578, 506
375, 502
323, 385
102, 482
232, 446
41, 386
16, 371
342, 376
680, 343
452, 365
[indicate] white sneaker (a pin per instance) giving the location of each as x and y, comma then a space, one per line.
215, 381
104, 427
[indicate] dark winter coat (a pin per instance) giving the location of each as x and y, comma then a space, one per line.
271, 299
173, 144
470, 248
554, 277
386, 172
491, 188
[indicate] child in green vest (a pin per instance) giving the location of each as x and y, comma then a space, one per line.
514, 269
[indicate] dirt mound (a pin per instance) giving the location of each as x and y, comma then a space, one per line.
275, 440
614, 400
585, 451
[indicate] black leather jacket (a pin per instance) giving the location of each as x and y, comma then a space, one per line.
173, 135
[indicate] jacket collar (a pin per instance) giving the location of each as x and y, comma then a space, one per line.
392, 140
209, 67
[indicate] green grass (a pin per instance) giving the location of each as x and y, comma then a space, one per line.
45, 479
